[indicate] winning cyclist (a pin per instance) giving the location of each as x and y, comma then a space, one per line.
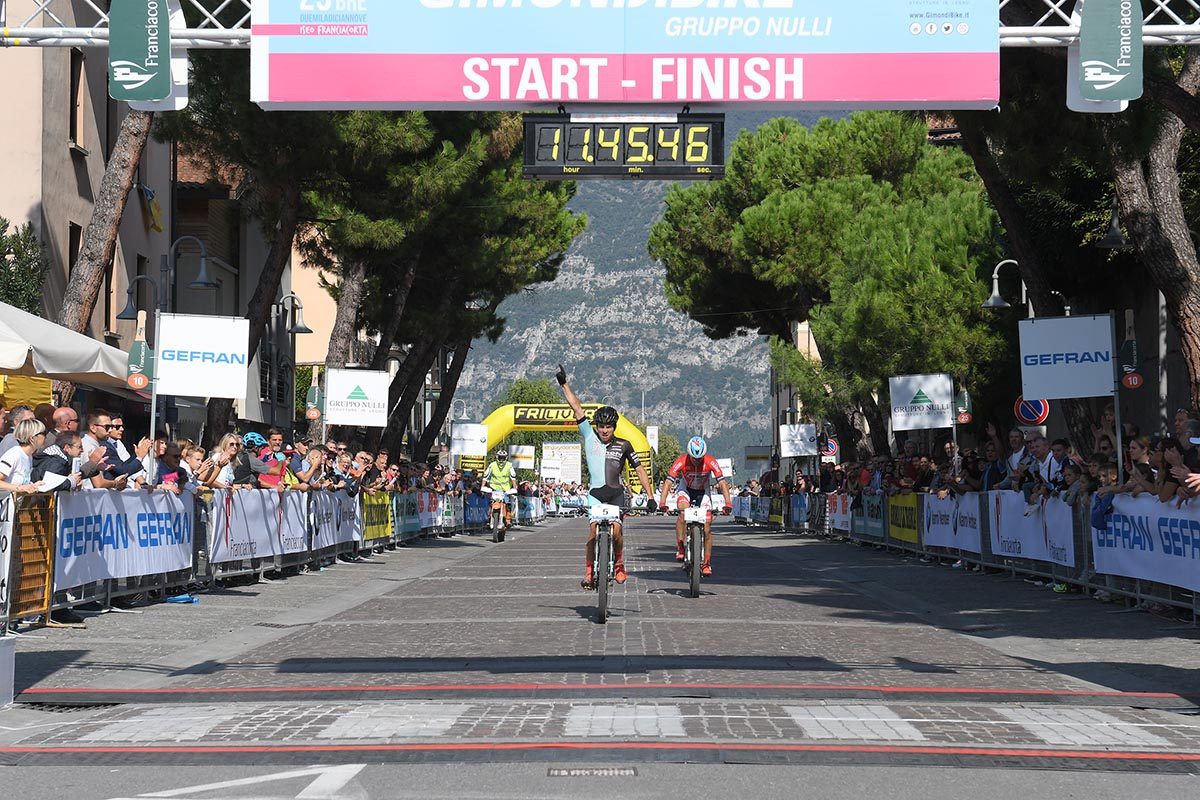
499, 477
606, 459
695, 467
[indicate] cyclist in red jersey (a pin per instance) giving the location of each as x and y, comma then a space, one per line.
690, 475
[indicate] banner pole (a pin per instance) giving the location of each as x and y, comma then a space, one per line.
1116, 394
154, 394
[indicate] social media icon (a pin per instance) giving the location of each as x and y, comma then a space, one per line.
947, 27
963, 27
915, 28
931, 28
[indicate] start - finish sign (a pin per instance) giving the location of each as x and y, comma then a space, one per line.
535, 53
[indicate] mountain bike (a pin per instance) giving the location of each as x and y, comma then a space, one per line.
694, 518
604, 555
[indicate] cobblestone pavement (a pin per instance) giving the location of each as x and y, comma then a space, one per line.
461, 643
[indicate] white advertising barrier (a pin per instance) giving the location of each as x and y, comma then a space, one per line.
429, 509
796, 441
1154, 541
1067, 357
522, 455
839, 511
202, 356
468, 439
356, 397
551, 469
922, 402
569, 456
7, 512
953, 522
103, 535
1045, 534
256, 523
336, 519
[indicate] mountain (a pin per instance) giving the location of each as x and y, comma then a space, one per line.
607, 320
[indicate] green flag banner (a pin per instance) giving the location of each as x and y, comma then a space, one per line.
1110, 50
139, 50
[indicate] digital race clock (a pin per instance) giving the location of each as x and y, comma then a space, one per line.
669, 146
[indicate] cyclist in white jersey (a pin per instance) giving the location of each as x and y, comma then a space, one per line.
606, 459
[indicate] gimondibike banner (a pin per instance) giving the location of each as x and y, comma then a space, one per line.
104, 535
335, 519
524, 53
839, 511
1154, 541
952, 522
259, 523
1044, 534
871, 523
902, 518
376, 516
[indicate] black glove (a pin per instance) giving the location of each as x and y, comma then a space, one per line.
651, 506
561, 376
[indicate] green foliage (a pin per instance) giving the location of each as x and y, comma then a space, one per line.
524, 391
23, 266
669, 449
857, 225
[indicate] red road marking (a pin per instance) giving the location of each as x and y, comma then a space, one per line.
551, 687
507, 746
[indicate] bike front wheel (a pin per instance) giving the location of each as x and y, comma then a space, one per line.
603, 571
696, 535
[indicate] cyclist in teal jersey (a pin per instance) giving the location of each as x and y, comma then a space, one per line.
606, 459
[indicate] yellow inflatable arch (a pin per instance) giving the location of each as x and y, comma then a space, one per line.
507, 419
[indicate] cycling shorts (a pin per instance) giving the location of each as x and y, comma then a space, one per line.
694, 498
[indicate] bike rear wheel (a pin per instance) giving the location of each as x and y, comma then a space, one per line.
696, 535
603, 571
497, 526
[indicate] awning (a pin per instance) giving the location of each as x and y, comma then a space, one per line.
30, 345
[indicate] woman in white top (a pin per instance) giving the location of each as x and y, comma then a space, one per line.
17, 464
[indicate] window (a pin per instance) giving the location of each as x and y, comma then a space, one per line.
75, 129
74, 242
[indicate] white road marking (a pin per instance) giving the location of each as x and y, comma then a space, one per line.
624, 720
869, 722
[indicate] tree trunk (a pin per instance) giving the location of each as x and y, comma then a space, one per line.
444, 403
387, 334
1173, 96
345, 328
1150, 205
100, 238
880, 445
259, 308
414, 369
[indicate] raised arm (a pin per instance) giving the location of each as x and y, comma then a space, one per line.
572, 400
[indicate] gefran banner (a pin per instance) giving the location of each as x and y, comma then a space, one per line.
952, 522
201, 356
256, 524
902, 522
104, 535
1067, 357
356, 397
1044, 534
920, 402
527, 53
1154, 541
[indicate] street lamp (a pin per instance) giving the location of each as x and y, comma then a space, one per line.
1114, 239
280, 309
463, 415
997, 301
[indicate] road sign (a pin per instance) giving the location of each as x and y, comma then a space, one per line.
831, 448
1031, 412
314, 401
965, 418
141, 358
1132, 380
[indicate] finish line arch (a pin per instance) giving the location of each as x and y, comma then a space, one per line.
510, 419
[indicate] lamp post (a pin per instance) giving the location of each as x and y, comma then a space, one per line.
280, 309
1113, 239
997, 301
162, 290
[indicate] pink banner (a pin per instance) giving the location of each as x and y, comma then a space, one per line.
444, 80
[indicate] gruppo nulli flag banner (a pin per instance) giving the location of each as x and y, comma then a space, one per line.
356, 397
530, 53
202, 356
1067, 357
921, 402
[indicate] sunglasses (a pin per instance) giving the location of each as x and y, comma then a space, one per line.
115, 427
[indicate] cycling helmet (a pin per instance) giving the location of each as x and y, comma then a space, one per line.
502, 454
697, 447
253, 439
605, 415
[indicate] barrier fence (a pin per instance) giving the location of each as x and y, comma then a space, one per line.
1145, 549
68, 549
